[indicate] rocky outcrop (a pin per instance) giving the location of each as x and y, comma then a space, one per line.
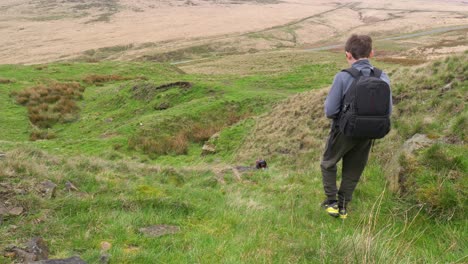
37, 252
396, 174
47, 189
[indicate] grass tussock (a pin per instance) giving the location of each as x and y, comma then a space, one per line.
6, 81
99, 79
431, 100
48, 105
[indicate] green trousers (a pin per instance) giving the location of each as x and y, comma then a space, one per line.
355, 153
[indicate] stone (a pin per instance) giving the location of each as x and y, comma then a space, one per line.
38, 247
208, 148
159, 230
70, 187
2, 155
47, 189
162, 106
72, 260
10, 254
16, 211
24, 256
20, 191
394, 172
104, 259
446, 88
105, 246
416, 142
214, 136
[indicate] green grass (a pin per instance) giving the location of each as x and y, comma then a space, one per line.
110, 114
270, 216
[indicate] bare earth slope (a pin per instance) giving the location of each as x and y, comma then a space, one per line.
38, 31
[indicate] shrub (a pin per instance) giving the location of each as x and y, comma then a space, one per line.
50, 104
38, 134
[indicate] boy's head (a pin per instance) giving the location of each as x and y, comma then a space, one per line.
359, 47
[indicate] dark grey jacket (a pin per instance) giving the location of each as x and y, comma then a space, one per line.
341, 84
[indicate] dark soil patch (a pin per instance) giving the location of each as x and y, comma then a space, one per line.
146, 91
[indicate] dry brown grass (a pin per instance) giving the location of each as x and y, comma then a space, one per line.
50, 104
177, 144
296, 127
401, 61
38, 134
6, 81
98, 79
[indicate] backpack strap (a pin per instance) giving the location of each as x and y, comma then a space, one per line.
377, 72
353, 72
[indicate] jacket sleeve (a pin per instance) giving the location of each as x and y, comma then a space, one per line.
334, 97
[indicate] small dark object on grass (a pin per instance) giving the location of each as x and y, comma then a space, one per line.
261, 164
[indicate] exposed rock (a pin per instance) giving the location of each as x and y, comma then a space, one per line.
395, 173
214, 136
47, 189
162, 106
2, 155
105, 246
16, 211
9, 254
70, 187
159, 230
208, 148
146, 91
72, 260
23, 256
418, 141
447, 87
38, 247
20, 191
104, 259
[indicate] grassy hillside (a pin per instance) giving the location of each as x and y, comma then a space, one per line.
121, 105
110, 153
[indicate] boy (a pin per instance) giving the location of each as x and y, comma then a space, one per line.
353, 151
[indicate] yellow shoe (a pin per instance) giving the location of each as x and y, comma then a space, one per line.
331, 207
343, 213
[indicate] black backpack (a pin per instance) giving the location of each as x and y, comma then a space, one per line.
365, 107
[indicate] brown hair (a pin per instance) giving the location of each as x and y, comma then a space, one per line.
360, 46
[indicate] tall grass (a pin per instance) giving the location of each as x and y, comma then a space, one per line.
48, 105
